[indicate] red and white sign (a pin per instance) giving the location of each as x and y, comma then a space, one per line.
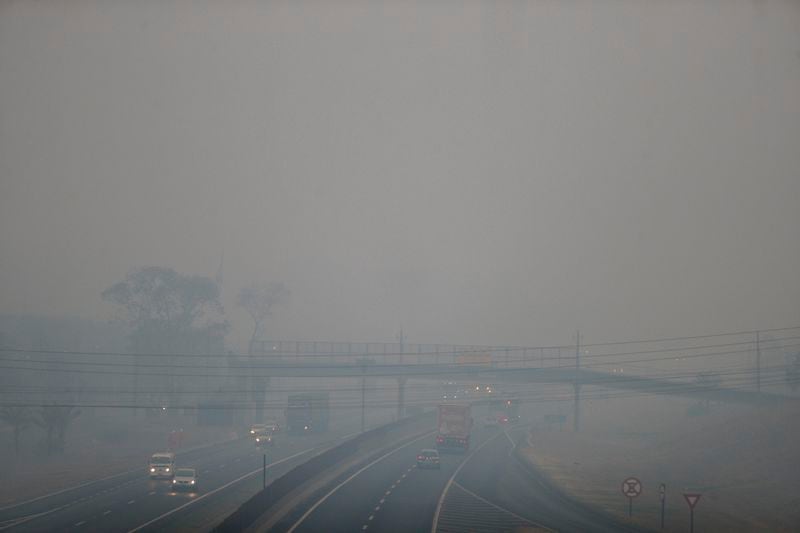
691, 499
631, 487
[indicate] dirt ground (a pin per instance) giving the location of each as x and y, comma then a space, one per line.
743, 460
98, 445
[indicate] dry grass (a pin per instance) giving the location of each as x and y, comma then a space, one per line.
744, 461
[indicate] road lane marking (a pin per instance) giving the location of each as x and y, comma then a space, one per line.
503, 509
383, 500
225, 486
151, 493
131, 502
349, 479
80, 523
67, 490
371, 517
450, 481
377, 507
107, 512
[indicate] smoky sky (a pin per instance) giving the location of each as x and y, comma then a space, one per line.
473, 172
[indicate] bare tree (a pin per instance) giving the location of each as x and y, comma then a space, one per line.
19, 418
259, 299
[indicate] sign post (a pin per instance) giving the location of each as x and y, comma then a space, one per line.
662, 494
264, 472
631, 488
691, 498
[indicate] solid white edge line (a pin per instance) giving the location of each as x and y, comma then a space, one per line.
450, 481
346, 481
512, 513
345, 437
87, 483
226, 485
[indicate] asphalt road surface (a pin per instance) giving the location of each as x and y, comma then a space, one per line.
227, 475
487, 490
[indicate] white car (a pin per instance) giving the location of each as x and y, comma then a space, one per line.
185, 479
161, 465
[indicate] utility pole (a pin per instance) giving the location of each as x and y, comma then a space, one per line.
402, 347
758, 362
363, 390
577, 413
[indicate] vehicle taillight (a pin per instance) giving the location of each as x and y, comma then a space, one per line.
420, 458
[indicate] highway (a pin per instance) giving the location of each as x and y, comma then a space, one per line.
486, 490
229, 473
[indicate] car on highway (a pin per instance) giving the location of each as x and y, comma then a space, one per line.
428, 458
265, 428
265, 439
185, 479
272, 426
161, 465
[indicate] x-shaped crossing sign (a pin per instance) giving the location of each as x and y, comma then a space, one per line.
631, 487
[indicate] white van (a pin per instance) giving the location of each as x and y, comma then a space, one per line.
162, 465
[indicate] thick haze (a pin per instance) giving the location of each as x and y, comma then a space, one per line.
475, 172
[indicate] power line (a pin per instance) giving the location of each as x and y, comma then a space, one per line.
465, 350
311, 367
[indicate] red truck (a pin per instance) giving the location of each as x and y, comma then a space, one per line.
454, 424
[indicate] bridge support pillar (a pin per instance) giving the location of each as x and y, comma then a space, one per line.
401, 396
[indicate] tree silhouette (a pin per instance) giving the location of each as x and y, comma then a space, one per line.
19, 418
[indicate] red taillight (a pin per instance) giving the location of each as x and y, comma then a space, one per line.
420, 458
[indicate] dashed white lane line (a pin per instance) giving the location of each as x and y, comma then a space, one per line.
371, 517
404, 475
223, 487
107, 512
393, 487
151, 493
131, 502
78, 524
365, 526
388, 492
377, 507
383, 500
352, 476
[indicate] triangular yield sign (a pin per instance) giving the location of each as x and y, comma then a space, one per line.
691, 499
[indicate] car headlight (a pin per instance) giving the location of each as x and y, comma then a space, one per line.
152, 469
258, 440
174, 480
252, 432
192, 482
167, 469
